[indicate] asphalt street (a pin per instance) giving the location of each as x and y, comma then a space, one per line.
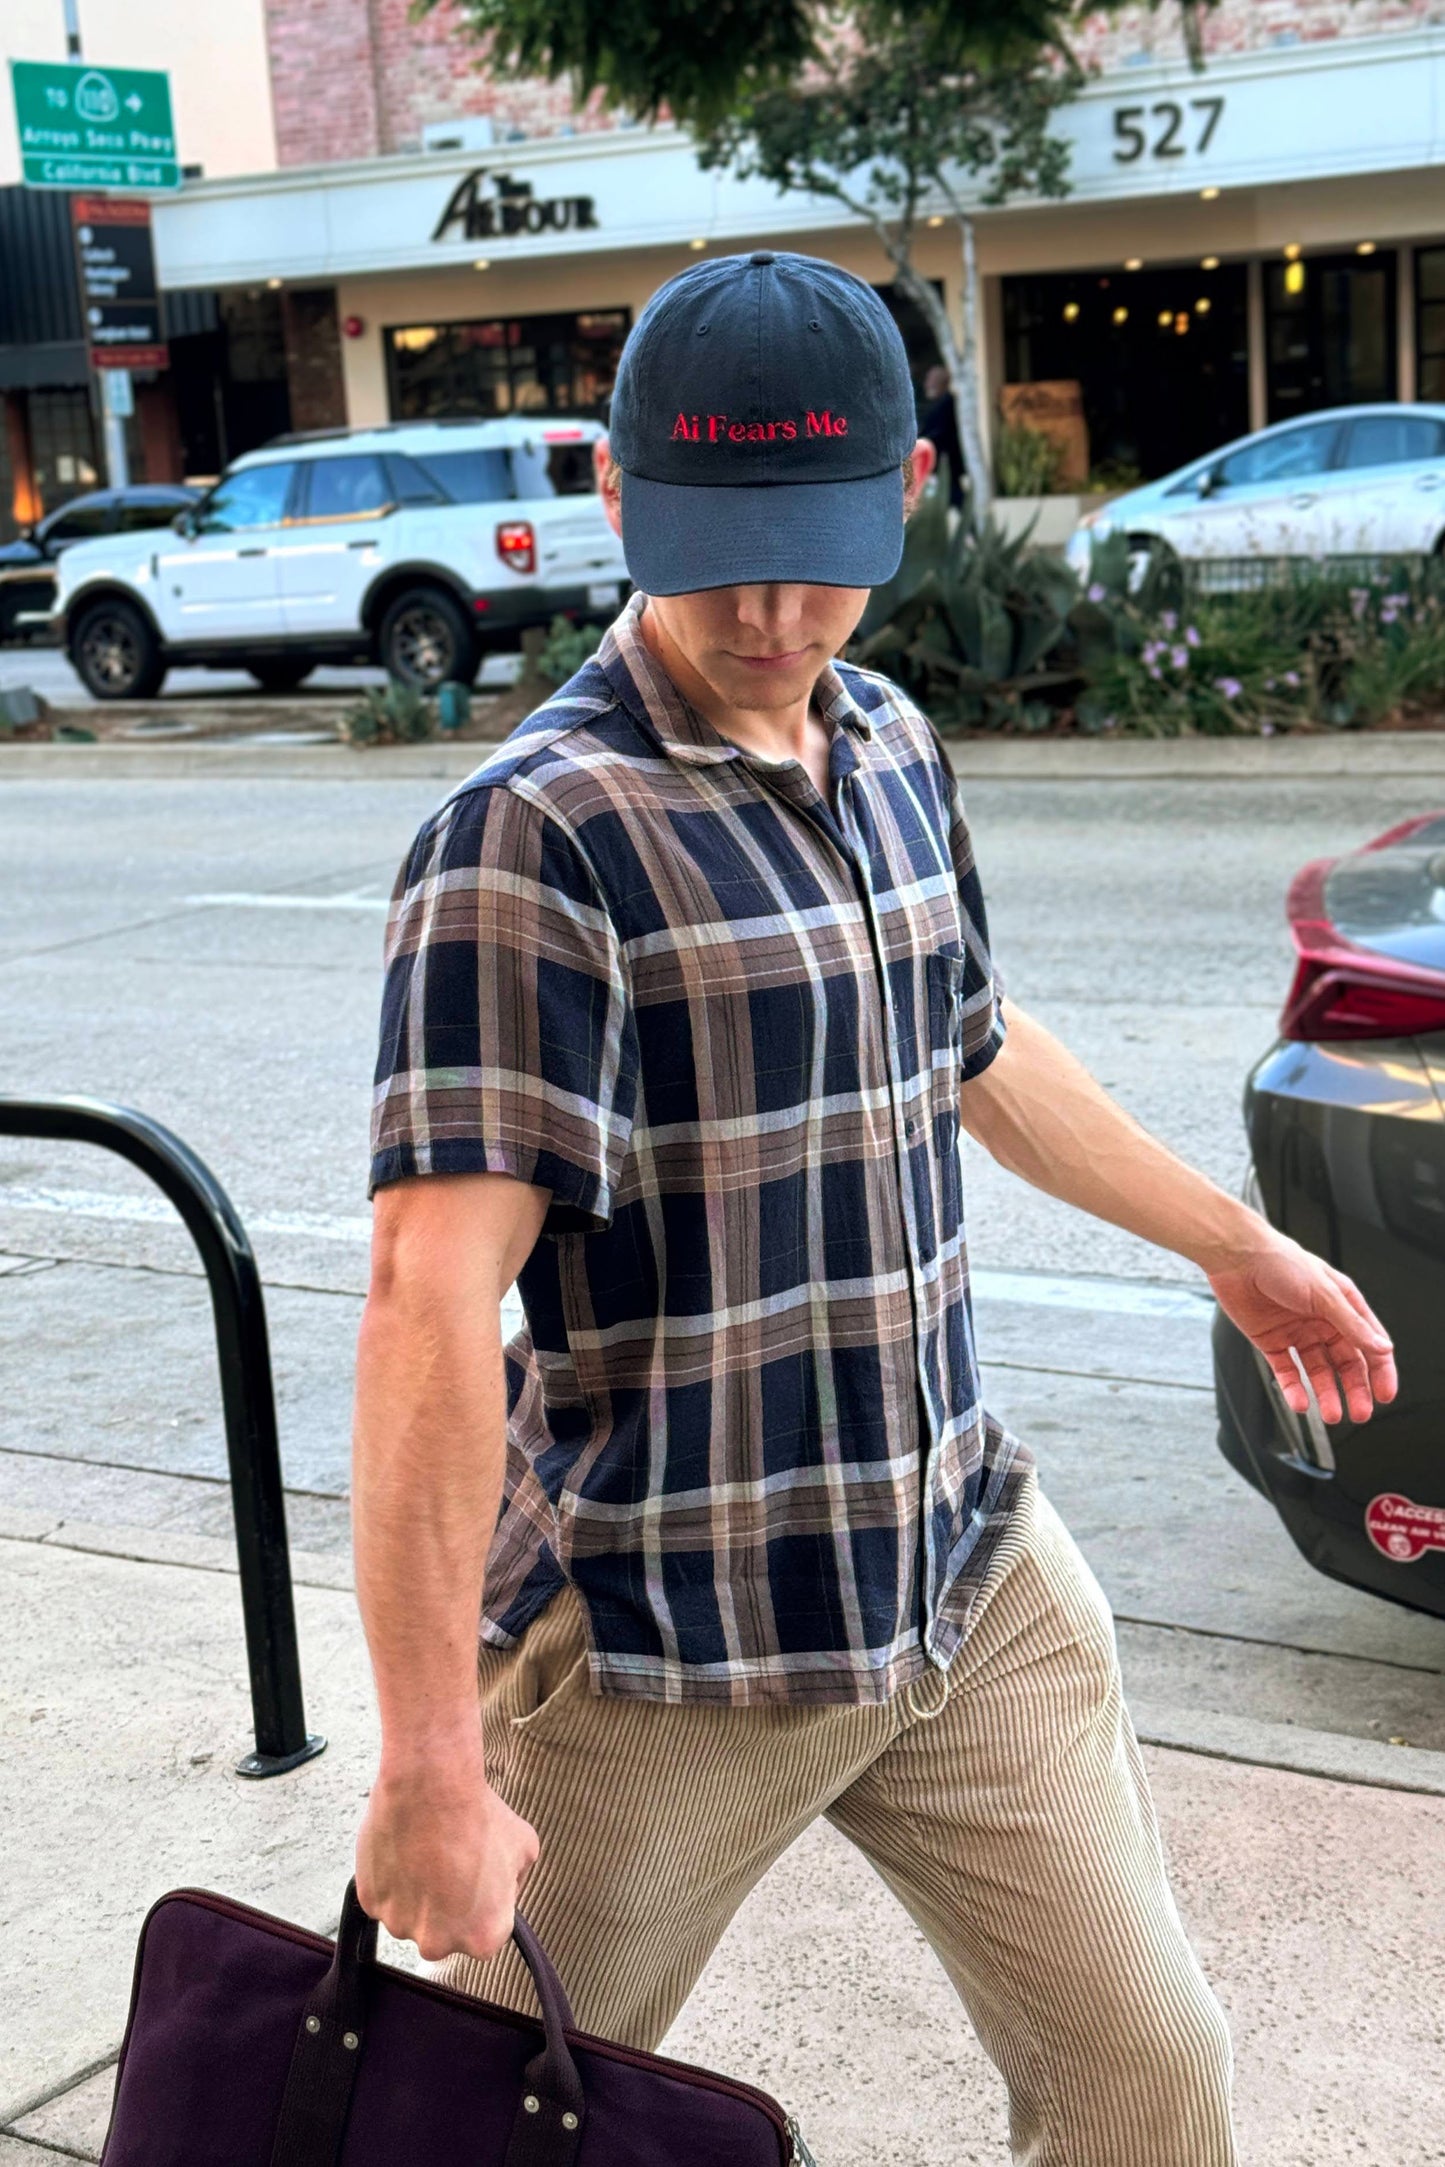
207, 950
46, 670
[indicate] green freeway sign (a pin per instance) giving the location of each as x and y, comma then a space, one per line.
87, 127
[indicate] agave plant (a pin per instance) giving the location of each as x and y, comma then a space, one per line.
972, 621
393, 714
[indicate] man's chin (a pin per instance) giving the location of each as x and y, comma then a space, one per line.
764, 690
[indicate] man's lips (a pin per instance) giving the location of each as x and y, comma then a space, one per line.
772, 662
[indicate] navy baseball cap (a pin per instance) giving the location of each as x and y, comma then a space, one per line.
762, 412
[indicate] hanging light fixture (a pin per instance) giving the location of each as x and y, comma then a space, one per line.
1208, 195
1071, 312
1294, 277
1209, 263
1133, 263
1364, 248
1292, 251
1121, 315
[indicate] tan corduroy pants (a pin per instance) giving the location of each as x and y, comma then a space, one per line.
1014, 1824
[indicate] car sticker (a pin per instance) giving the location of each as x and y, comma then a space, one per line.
1403, 1531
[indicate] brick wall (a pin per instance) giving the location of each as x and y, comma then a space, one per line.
1241, 26
359, 78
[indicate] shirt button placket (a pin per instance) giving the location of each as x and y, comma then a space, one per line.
905, 1196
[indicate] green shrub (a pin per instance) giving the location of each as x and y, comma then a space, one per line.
567, 647
1026, 461
390, 714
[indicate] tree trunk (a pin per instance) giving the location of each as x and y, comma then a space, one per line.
968, 379
919, 289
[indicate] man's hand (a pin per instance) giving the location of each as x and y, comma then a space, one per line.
440, 1858
1281, 1297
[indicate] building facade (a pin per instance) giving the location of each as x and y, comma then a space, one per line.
1260, 239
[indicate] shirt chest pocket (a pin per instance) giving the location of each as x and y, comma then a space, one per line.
944, 1051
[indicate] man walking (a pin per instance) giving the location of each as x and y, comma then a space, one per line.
688, 993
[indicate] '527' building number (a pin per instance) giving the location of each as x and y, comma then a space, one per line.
1163, 129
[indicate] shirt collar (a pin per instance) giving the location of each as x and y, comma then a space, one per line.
645, 688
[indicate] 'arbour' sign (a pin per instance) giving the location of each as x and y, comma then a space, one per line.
474, 214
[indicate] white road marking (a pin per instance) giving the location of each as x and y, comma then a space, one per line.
156, 1211
242, 900
1107, 1297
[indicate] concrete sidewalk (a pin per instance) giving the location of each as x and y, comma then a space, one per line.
1317, 1905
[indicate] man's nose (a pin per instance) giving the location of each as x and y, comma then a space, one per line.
774, 609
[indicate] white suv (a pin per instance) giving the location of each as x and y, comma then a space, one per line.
418, 545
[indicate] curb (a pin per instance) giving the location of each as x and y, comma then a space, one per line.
1403, 754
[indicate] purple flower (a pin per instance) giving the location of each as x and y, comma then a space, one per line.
1191, 634
1396, 601
1154, 671
1229, 686
1291, 678
1266, 729
1097, 593
1389, 616
1153, 649
1179, 656
1169, 619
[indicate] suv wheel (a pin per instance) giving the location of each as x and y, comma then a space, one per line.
280, 673
116, 654
427, 641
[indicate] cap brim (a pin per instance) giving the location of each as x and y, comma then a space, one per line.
678, 538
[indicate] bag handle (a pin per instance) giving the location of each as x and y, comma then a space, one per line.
332, 2035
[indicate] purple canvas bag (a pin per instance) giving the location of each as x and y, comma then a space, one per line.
252, 2043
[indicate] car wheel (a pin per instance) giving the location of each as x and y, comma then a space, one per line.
1156, 573
282, 673
427, 641
116, 654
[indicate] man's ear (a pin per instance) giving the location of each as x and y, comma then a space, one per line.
607, 486
925, 461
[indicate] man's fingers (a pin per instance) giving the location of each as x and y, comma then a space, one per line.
1350, 1310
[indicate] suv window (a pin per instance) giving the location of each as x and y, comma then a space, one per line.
553, 470
1280, 458
352, 488
409, 485
78, 524
469, 477
256, 497
1382, 440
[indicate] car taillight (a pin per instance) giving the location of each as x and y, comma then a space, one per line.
1341, 991
517, 544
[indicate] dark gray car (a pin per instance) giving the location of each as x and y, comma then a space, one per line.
1346, 1121
27, 565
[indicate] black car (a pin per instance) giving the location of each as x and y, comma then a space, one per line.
27, 565
1346, 1121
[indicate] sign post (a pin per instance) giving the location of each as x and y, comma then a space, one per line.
86, 127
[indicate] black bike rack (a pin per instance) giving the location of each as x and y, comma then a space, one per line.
252, 1450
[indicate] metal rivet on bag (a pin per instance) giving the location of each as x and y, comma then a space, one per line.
313, 2024
349, 2039
569, 2120
531, 2103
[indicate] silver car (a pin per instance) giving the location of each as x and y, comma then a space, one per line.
1361, 482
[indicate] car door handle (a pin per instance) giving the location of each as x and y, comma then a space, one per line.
1303, 501
250, 552
1427, 481
367, 544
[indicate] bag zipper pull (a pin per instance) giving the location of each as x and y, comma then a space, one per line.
800, 2156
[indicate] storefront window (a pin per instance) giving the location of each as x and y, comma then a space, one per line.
505, 365
1330, 331
1160, 358
1430, 323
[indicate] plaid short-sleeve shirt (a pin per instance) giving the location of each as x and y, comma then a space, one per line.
725, 1024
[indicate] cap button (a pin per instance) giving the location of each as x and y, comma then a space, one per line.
762, 256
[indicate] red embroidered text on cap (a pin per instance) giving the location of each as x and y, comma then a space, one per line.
722, 429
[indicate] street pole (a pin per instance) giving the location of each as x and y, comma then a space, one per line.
115, 397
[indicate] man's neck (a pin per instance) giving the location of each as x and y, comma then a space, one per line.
776, 733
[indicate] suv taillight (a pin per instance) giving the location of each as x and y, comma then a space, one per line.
1341, 991
517, 544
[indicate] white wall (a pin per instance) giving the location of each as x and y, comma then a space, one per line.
215, 51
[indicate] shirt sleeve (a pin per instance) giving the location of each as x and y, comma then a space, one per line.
508, 1043
983, 1025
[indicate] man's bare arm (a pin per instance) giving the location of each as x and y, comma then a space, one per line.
440, 1857
1039, 1112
